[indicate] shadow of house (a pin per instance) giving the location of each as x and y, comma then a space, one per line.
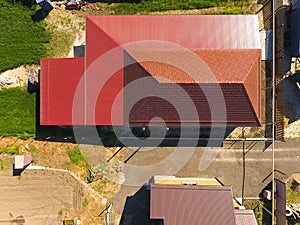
191, 204
40, 15
21, 163
137, 209
18, 172
281, 209
292, 99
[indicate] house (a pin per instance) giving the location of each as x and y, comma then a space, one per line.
192, 201
158, 70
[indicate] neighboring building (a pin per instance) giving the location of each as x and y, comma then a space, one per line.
206, 57
195, 201
295, 32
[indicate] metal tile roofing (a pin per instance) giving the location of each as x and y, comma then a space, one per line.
214, 66
152, 108
232, 74
193, 205
226, 47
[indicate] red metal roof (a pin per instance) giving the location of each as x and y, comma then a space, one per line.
192, 205
59, 81
190, 31
227, 46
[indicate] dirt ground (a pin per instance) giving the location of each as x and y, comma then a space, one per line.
46, 197
16, 77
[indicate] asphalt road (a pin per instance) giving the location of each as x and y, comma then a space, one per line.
246, 167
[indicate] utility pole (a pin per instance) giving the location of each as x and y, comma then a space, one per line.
273, 106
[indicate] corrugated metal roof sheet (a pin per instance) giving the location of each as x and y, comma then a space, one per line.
192, 31
192, 205
59, 81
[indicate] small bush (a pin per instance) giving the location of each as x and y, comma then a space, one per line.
14, 150
75, 155
85, 202
4, 164
60, 212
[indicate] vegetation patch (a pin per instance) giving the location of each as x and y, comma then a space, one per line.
10, 150
64, 28
148, 6
105, 187
260, 209
85, 202
22, 40
4, 164
17, 113
75, 155
292, 191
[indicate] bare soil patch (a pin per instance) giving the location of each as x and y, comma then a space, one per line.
63, 199
47, 197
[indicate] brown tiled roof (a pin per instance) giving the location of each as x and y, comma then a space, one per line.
192, 205
197, 66
236, 73
238, 106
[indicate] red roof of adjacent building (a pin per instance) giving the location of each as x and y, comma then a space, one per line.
185, 50
193, 205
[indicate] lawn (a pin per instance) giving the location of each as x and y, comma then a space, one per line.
22, 40
17, 113
148, 6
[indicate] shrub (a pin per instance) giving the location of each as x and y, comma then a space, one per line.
14, 150
75, 156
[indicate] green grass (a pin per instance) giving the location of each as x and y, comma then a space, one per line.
292, 192
261, 215
85, 203
22, 41
62, 39
10, 150
60, 212
148, 6
75, 155
230, 11
17, 113
4, 164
